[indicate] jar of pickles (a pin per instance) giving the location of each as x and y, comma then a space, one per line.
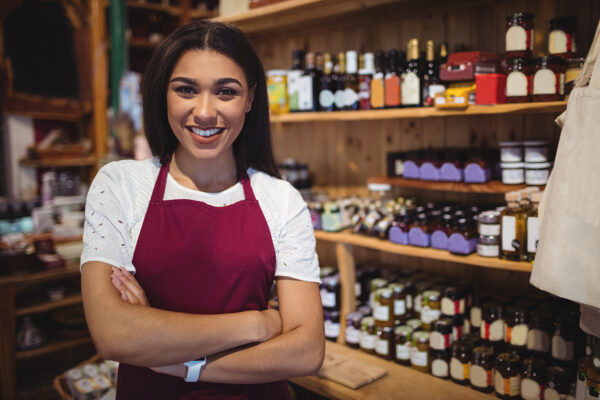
518, 80
402, 338
549, 79
533, 378
561, 40
419, 353
507, 377
368, 335
519, 35
482, 367
384, 308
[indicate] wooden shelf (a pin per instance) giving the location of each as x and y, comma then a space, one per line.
70, 271
55, 345
141, 43
50, 305
492, 187
174, 11
421, 112
411, 251
46, 107
400, 382
60, 162
296, 12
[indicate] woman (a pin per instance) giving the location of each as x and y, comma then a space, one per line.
206, 226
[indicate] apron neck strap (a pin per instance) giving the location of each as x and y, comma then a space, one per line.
248, 192
159, 188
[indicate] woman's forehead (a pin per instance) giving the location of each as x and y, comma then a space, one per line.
201, 64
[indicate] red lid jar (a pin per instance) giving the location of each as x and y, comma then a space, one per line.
549, 79
519, 35
518, 80
561, 40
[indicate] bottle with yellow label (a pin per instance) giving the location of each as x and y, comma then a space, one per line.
378, 82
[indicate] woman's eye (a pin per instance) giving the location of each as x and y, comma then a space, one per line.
185, 90
226, 92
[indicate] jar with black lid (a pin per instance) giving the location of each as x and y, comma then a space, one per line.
540, 329
533, 378
399, 296
402, 338
516, 328
507, 378
561, 40
353, 329
439, 360
419, 352
563, 339
410, 289
519, 35
558, 382
332, 325
415, 324
462, 353
549, 79
482, 367
519, 80
475, 313
384, 308
453, 301
492, 324
368, 335
330, 293
384, 347
440, 337
460, 327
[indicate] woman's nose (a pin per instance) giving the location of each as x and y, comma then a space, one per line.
204, 108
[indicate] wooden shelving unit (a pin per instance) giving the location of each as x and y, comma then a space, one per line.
175, 11
421, 112
60, 162
54, 346
492, 187
400, 382
49, 305
140, 43
46, 108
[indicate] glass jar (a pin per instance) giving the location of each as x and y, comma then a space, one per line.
533, 378
415, 324
519, 35
399, 296
440, 337
384, 308
384, 347
538, 336
574, 66
515, 327
507, 378
420, 287
331, 219
519, 80
460, 327
475, 313
488, 246
330, 293
402, 339
563, 339
482, 367
453, 301
513, 173
368, 335
536, 151
462, 352
440, 363
537, 174
316, 210
549, 79
488, 223
332, 325
353, 329
431, 310
376, 284
557, 383
419, 353
277, 91
561, 41
492, 324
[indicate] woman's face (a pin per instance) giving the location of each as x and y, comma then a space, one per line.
207, 100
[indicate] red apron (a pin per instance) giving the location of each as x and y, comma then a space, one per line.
195, 258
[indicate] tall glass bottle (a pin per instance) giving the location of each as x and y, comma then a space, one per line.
340, 94
306, 98
327, 89
351, 90
392, 81
533, 227
443, 53
365, 75
293, 80
412, 84
378, 82
319, 67
512, 227
431, 78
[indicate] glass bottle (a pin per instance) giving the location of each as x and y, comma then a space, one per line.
293, 80
443, 54
412, 83
512, 225
352, 82
308, 85
327, 89
378, 82
432, 83
340, 94
533, 227
392, 81
365, 75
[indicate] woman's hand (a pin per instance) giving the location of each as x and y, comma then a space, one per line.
128, 287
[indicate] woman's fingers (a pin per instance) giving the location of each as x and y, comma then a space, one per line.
129, 288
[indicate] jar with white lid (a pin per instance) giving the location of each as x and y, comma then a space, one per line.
537, 173
513, 173
511, 152
536, 151
488, 246
488, 223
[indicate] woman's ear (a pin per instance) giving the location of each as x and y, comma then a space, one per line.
250, 99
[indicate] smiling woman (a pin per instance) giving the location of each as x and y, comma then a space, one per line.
206, 226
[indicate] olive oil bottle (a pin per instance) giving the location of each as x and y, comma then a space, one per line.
533, 227
512, 226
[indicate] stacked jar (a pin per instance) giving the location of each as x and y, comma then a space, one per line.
525, 162
330, 298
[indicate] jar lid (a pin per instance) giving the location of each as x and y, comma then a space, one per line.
543, 61
431, 295
367, 322
558, 378
414, 323
396, 287
277, 72
512, 144
518, 15
534, 368
489, 240
444, 326
508, 357
563, 20
420, 337
489, 217
516, 311
512, 165
492, 306
575, 62
462, 345
457, 320
538, 165
354, 316
482, 352
454, 292
440, 354
535, 143
403, 331
386, 293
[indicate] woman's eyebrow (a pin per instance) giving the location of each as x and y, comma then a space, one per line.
228, 80
189, 81
221, 81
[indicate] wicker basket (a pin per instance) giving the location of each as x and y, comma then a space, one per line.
60, 382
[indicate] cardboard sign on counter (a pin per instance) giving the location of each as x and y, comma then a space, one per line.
349, 372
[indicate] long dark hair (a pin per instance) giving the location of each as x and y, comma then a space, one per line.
253, 147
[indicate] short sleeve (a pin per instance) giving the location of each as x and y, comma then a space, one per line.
297, 256
106, 237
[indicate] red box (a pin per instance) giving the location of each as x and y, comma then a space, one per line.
465, 65
491, 89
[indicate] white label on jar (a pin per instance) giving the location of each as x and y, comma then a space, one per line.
497, 330
428, 315
438, 341
531, 390
513, 176
538, 340
340, 99
351, 96
357, 289
382, 347
381, 313
489, 229
332, 329
536, 176
516, 38
488, 250
411, 87
399, 307
328, 299
352, 335
305, 93
439, 368
403, 351
580, 389
457, 369
476, 317
536, 154
418, 358
562, 349
596, 362
544, 82
479, 376
326, 98
399, 167
551, 394
409, 302
367, 341
557, 42
561, 83
518, 335
418, 303
516, 85
509, 233
533, 234
447, 306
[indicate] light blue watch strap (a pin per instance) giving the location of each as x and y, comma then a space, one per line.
193, 369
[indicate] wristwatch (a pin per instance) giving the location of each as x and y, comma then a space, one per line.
193, 369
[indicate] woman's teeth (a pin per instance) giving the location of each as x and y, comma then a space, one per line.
206, 132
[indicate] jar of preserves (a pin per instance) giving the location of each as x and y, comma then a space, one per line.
421, 286
475, 314
507, 378
440, 363
563, 339
492, 324
453, 301
419, 352
538, 336
557, 383
488, 246
330, 292
332, 325
488, 223
519, 35
377, 283
519, 80
384, 346
460, 327
462, 352
431, 310
482, 367
402, 339
561, 41
515, 327
410, 289
399, 296
440, 337
549, 79
574, 66
533, 378
277, 91
368, 335
383, 311
415, 324
353, 329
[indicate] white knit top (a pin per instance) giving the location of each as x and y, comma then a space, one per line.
119, 195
